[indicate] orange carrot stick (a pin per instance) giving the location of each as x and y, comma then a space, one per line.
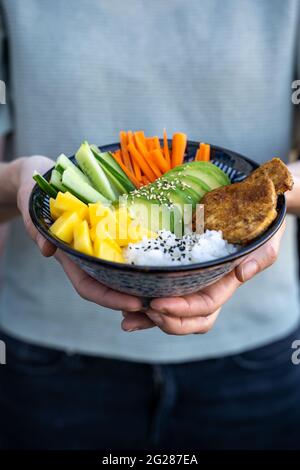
178, 148
200, 152
135, 165
125, 154
145, 180
141, 162
206, 155
129, 174
137, 170
156, 143
159, 160
149, 144
166, 149
140, 143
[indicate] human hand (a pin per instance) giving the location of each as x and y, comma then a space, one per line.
197, 313
87, 287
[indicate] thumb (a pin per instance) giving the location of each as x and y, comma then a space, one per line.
261, 258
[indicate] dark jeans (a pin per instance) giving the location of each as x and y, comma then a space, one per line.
51, 400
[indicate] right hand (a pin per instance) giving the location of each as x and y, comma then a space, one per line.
87, 287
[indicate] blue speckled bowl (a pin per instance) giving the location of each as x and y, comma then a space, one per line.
146, 281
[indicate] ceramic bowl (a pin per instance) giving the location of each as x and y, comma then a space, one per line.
146, 281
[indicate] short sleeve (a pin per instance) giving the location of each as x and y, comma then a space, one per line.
5, 101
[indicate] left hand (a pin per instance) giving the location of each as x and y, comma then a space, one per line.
197, 313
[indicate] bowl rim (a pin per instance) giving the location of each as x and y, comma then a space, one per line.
245, 250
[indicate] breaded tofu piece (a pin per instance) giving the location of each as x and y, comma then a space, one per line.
278, 172
243, 211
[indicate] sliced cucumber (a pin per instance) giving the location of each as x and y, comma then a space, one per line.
89, 165
110, 170
79, 188
63, 163
107, 156
56, 181
118, 187
44, 185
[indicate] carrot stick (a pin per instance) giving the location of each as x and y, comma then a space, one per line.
178, 148
137, 170
166, 149
206, 156
197, 156
140, 143
145, 180
159, 160
135, 165
200, 152
156, 143
141, 162
149, 144
127, 171
125, 154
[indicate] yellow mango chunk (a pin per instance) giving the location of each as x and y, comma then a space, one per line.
108, 249
123, 221
136, 233
107, 225
55, 213
82, 239
93, 233
97, 211
66, 202
63, 227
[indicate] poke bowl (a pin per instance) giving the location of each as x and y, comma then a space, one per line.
148, 281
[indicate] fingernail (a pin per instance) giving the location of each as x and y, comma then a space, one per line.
249, 269
132, 329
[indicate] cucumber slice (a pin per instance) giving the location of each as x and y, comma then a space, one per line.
89, 165
80, 188
63, 163
107, 156
56, 181
118, 187
124, 181
44, 185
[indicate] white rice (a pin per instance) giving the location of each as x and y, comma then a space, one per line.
167, 250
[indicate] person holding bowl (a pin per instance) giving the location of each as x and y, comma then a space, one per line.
80, 375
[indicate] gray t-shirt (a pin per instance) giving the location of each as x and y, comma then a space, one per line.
84, 69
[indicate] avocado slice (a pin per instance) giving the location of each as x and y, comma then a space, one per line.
208, 172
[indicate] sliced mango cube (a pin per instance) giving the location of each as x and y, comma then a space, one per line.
97, 211
93, 233
136, 233
63, 227
66, 202
123, 221
108, 249
55, 213
107, 225
82, 239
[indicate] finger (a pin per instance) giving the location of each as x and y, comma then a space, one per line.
92, 290
136, 321
183, 325
46, 248
261, 258
201, 303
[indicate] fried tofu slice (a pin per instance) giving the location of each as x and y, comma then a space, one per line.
243, 211
278, 172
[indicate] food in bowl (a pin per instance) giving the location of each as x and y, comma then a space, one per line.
103, 206
243, 211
